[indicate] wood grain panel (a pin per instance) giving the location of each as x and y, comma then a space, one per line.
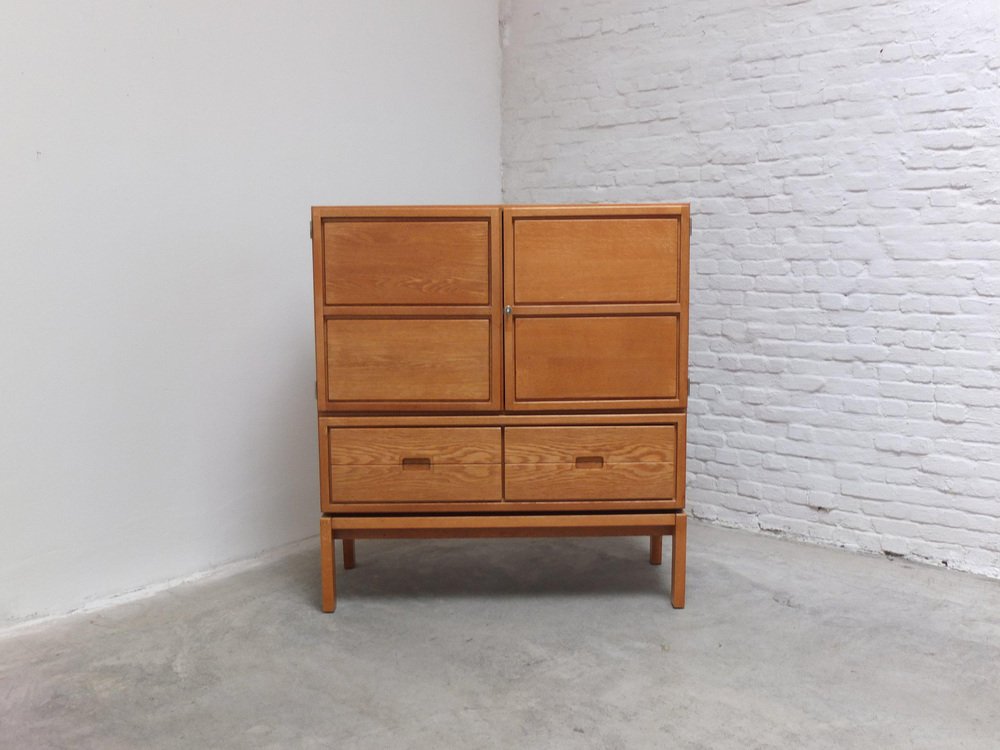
629, 357
507, 506
408, 359
437, 482
510, 419
568, 481
487, 526
581, 463
609, 259
390, 446
615, 445
397, 261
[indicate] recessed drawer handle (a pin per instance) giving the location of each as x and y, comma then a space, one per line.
417, 464
589, 462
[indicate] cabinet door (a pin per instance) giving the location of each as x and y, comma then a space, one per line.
597, 299
408, 308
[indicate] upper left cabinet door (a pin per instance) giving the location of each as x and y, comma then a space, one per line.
408, 308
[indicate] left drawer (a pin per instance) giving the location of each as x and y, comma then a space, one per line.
413, 464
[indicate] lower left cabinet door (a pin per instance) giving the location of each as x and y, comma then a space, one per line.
414, 464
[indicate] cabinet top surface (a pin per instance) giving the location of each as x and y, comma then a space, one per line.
554, 207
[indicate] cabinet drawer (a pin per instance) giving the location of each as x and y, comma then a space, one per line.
417, 464
591, 463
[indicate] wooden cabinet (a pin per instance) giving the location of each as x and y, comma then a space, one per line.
501, 371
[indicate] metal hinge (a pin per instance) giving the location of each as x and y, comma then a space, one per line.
310, 228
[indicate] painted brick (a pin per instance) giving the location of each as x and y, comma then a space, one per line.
841, 159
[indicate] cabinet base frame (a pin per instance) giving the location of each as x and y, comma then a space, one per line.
351, 527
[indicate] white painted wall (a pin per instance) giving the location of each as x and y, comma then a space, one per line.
843, 163
157, 165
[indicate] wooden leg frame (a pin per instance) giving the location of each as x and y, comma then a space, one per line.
653, 525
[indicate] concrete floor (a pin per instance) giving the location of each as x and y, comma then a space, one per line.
528, 644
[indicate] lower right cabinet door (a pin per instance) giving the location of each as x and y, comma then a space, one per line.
599, 361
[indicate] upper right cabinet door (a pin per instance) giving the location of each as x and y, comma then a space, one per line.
596, 302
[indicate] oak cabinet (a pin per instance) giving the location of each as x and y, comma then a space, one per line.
501, 371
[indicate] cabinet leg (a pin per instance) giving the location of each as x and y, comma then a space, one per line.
678, 562
656, 550
348, 554
328, 566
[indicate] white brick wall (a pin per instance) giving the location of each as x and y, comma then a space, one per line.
842, 159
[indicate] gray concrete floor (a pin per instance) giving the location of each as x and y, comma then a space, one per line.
530, 644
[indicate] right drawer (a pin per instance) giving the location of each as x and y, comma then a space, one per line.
592, 463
